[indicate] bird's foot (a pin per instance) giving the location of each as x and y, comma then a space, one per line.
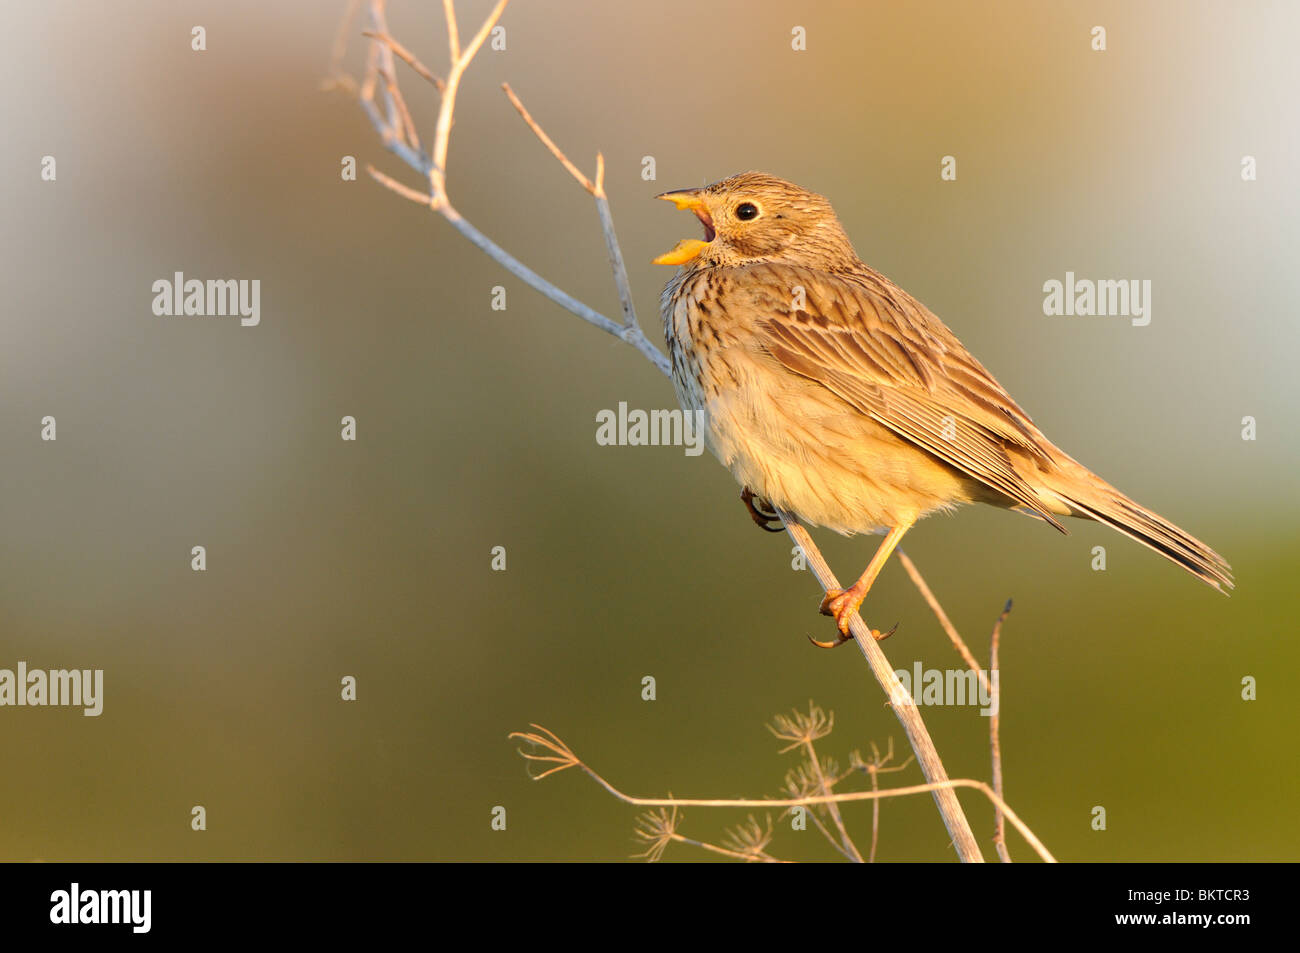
841, 604
763, 514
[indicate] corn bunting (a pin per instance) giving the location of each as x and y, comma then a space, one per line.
832, 393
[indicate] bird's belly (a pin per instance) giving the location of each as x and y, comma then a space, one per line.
797, 445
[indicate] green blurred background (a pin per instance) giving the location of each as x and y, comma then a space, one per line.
477, 428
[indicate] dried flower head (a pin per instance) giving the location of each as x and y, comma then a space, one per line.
798, 728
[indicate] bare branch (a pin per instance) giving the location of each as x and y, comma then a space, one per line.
453, 32
874, 769
561, 752
627, 331
336, 75
875, 814
396, 130
958, 643
381, 65
405, 191
615, 252
459, 63
999, 828
547, 141
406, 56
407, 126
988, 680
597, 190
483, 31
823, 785
658, 829
899, 699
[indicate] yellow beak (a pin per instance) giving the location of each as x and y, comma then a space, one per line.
688, 249
683, 199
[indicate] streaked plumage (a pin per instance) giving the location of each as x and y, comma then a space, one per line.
831, 392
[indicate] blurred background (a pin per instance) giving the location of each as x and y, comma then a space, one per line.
476, 428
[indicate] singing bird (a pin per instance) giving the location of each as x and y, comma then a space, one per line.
832, 393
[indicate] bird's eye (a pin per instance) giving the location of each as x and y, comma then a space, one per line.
746, 211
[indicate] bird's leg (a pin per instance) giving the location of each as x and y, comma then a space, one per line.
842, 603
759, 513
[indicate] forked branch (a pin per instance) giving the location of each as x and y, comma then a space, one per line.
560, 756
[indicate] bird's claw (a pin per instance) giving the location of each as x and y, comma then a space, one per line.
841, 639
764, 514
881, 636
831, 645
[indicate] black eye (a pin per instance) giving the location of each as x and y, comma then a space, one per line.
746, 211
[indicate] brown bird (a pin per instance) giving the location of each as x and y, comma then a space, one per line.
832, 393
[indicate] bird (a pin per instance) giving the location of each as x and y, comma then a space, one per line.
831, 393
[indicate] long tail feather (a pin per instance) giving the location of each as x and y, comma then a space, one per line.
1088, 496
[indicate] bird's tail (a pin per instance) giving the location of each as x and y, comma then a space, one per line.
1087, 495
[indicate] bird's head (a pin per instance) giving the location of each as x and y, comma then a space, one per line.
754, 217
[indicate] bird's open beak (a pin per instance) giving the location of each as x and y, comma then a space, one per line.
688, 249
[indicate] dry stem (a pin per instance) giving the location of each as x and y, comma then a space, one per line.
995, 743
562, 756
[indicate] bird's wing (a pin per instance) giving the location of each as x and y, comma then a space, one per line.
880, 350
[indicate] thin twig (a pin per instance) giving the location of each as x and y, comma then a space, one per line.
801, 732
407, 123
989, 681
597, 190
453, 32
659, 828
627, 331
405, 191
999, 828
379, 60
958, 642
875, 814
336, 75
547, 141
874, 768
564, 757
850, 848
615, 252
726, 851
827, 833
407, 57
900, 700
459, 63
382, 64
